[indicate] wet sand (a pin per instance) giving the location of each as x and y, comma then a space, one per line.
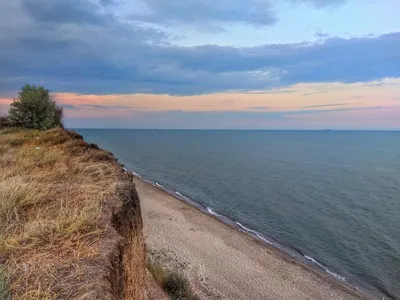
222, 262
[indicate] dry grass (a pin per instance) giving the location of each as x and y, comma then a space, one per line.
52, 190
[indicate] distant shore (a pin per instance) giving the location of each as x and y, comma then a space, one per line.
224, 263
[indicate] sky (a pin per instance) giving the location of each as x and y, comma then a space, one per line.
207, 64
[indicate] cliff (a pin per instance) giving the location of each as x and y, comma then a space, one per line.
70, 220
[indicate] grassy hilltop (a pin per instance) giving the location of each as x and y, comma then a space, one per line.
57, 207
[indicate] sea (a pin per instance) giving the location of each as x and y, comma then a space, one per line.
328, 198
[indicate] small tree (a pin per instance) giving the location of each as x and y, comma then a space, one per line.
33, 108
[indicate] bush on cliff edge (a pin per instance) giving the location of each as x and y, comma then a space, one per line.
33, 108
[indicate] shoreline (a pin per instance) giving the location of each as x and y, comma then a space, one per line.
292, 256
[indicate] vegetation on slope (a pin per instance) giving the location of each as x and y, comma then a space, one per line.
174, 283
53, 192
4, 285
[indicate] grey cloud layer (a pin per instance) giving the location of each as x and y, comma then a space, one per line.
199, 11
74, 46
66, 11
254, 12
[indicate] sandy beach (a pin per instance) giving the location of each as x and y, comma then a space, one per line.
222, 262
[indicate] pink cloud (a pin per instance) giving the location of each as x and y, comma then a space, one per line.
4, 105
301, 96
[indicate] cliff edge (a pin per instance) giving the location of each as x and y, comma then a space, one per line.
70, 220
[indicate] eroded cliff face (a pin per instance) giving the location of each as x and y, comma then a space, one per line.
120, 270
123, 254
123, 247
127, 275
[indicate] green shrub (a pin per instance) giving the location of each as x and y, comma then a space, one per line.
174, 283
4, 292
4, 121
158, 272
178, 287
33, 108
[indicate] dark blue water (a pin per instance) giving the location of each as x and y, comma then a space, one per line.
333, 196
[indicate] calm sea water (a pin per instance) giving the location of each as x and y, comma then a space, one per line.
333, 196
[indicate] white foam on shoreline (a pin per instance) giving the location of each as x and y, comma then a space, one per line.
179, 194
136, 174
212, 212
254, 232
325, 268
159, 185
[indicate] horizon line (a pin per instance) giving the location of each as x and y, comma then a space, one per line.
233, 129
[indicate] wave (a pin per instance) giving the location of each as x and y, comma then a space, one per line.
179, 194
136, 174
325, 268
159, 185
254, 232
212, 212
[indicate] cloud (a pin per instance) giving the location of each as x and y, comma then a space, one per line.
322, 3
65, 11
106, 2
96, 106
325, 105
259, 107
276, 91
314, 93
77, 46
243, 101
254, 12
214, 14
69, 106
335, 110
374, 84
321, 35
